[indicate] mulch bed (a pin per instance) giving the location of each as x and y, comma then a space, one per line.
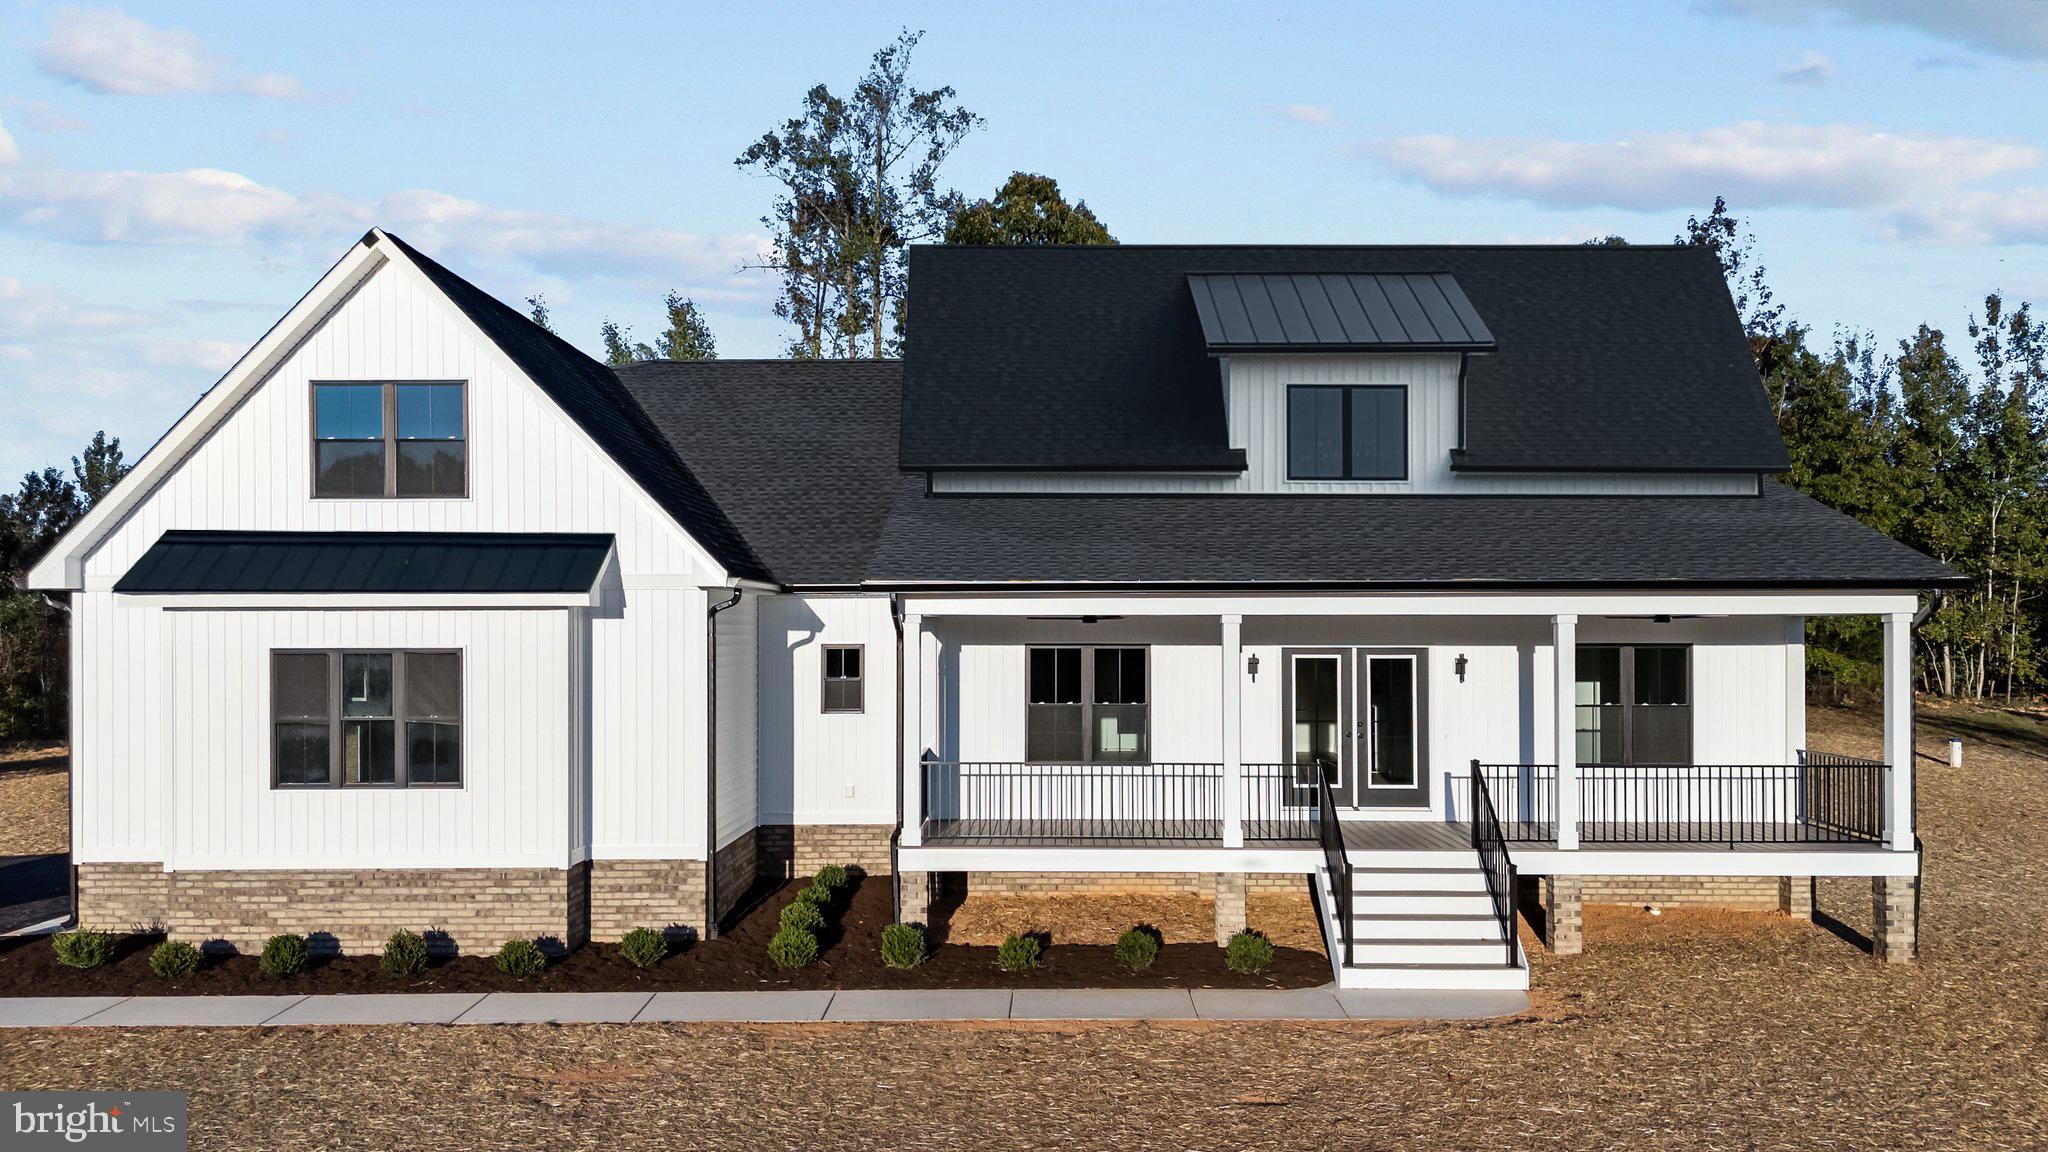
850, 957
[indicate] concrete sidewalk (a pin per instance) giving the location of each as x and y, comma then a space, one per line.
753, 1007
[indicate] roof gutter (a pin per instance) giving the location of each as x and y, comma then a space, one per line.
896, 833
711, 763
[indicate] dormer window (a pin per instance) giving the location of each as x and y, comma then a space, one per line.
390, 439
1347, 433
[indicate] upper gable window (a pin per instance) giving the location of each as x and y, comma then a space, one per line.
390, 439
1347, 433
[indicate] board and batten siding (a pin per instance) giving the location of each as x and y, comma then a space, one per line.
1501, 712
819, 767
531, 469
1256, 403
737, 637
512, 809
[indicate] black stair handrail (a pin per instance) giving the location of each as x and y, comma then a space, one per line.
1494, 862
1336, 861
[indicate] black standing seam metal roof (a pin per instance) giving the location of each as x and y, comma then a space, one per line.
593, 397
1623, 359
1326, 311
368, 562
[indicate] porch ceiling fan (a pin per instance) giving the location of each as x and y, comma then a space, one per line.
1668, 617
1083, 619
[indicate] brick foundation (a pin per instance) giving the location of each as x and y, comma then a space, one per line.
790, 850
1201, 884
1230, 911
737, 865
1795, 896
1746, 893
915, 892
464, 909
1564, 929
1893, 907
629, 894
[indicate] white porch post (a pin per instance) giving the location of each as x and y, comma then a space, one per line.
1564, 642
1898, 727
1233, 754
913, 730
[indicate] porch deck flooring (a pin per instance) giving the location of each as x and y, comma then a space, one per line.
1372, 836
1103, 834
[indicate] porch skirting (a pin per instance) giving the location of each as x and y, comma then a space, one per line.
471, 910
1741, 893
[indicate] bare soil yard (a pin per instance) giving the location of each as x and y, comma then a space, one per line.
1693, 1030
34, 817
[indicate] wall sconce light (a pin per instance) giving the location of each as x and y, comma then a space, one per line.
1458, 666
1251, 665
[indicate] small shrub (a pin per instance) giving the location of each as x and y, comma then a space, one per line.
792, 948
831, 876
1248, 953
643, 947
405, 954
285, 954
903, 945
802, 914
174, 960
1018, 954
83, 947
816, 894
1137, 948
520, 958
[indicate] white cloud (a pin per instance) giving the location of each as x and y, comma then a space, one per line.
41, 116
2013, 216
9, 153
1810, 71
2017, 29
212, 356
196, 206
114, 53
1310, 113
41, 312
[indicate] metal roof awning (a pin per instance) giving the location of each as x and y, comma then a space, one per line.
369, 564
1331, 312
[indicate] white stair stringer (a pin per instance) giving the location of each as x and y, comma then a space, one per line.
1421, 924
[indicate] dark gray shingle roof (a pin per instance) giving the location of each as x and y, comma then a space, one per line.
801, 454
1608, 359
341, 562
1777, 539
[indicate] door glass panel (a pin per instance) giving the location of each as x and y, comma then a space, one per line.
1316, 692
1662, 716
1390, 700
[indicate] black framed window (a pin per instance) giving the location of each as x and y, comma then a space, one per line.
346, 718
1633, 704
1352, 432
1087, 704
842, 690
390, 439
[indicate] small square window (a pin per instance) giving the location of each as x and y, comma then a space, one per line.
843, 684
390, 440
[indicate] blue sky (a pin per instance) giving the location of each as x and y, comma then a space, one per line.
173, 177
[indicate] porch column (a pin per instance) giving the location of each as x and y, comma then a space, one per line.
1233, 754
1898, 728
913, 730
1564, 643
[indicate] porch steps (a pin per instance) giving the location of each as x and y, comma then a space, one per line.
1419, 924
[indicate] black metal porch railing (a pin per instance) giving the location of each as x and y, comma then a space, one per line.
1499, 869
1279, 802
997, 801
1822, 799
1336, 862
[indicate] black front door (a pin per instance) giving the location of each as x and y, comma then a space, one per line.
1356, 715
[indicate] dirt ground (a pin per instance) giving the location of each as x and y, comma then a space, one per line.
34, 817
1694, 1030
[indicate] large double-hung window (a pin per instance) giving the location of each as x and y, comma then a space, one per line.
348, 719
390, 439
1088, 705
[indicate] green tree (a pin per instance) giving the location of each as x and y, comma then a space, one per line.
99, 469
537, 311
860, 184
1027, 210
619, 347
688, 336
1735, 247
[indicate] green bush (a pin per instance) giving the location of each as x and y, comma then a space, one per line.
1137, 948
174, 960
816, 894
405, 954
792, 948
521, 958
285, 954
831, 876
1018, 954
903, 946
802, 914
1248, 953
83, 947
643, 947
